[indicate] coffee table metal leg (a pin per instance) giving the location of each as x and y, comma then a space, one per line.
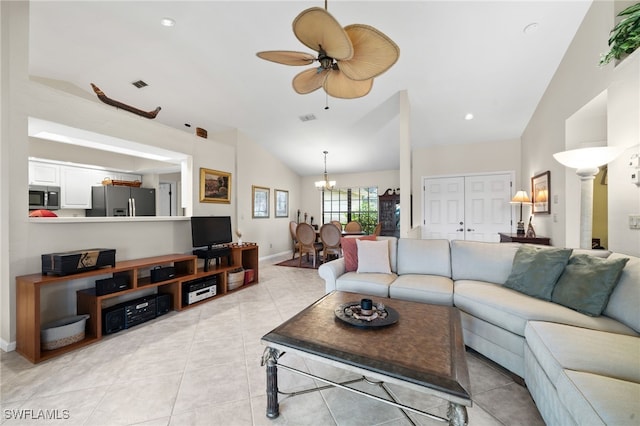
270, 359
457, 415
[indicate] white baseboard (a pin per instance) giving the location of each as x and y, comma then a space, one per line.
7, 346
272, 256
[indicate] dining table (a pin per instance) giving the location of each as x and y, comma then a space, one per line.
344, 233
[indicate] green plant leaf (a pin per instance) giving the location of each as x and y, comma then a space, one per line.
624, 38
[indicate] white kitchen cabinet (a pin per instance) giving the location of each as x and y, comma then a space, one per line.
45, 174
75, 188
130, 177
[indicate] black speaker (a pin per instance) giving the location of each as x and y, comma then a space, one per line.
111, 285
163, 303
162, 274
112, 320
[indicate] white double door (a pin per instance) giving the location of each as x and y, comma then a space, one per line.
471, 207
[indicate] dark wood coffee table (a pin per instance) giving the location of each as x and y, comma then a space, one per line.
423, 350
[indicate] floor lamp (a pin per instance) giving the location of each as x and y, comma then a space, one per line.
586, 162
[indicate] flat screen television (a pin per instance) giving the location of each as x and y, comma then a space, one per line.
209, 231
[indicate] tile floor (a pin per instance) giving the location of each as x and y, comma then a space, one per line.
202, 367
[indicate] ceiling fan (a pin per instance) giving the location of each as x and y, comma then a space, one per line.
349, 58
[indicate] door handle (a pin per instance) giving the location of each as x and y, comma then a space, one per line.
460, 230
470, 230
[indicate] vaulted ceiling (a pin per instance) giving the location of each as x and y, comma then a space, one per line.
493, 59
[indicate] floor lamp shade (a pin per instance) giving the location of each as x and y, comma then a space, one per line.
586, 162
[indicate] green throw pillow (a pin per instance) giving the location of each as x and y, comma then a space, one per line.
587, 282
536, 269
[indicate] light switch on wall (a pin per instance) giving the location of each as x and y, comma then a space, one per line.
634, 221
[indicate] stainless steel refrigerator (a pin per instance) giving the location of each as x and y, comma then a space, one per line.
108, 200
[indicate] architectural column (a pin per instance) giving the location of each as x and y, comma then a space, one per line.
405, 164
14, 79
586, 205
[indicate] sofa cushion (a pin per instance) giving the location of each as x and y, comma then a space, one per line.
587, 282
423, 288
558, 347
373, 257
431, 257
350, 251
511, 310
373, 284
536, 269
599, 400
481, 261
625, 299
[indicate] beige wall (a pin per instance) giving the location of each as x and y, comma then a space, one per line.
577, 82
24, 240
311, 197
600, 210
256, 166
488, 157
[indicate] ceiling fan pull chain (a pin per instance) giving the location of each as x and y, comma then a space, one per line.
326, 101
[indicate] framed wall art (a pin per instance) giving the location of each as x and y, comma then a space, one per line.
281, 202
215, 186
260, 202
541, 193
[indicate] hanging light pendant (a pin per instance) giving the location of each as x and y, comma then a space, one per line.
325, 184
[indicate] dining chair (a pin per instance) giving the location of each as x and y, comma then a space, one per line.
338, 224
330, 236
353, 226
378, 229
306, 237
293, 225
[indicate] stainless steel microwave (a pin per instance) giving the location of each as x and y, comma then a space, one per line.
44, 197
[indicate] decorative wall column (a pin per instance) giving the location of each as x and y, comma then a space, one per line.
586, 205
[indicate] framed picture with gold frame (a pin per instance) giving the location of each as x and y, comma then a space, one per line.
215, 186
281, 202
540, 193
260, 202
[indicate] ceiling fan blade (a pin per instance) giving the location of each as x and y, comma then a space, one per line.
339, 85
309, 80
287, 57
315, 27
374, 53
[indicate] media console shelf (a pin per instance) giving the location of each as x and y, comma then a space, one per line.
186, 269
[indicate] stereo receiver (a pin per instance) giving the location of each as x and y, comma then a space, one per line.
200, 289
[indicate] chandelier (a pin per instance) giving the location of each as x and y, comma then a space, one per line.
327, 184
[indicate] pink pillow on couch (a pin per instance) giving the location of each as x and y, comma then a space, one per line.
350, 251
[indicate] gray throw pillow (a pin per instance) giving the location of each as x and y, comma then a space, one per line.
587, 282
535, 270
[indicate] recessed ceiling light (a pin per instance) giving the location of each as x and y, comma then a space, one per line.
469, 116
531, 28
167, 22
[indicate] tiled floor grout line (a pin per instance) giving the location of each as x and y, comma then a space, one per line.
283, 291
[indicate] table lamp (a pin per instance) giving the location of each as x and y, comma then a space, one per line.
522, 198
586, 162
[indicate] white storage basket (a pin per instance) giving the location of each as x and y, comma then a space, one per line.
235, 279
63, 332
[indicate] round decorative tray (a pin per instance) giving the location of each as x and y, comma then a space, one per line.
380, 315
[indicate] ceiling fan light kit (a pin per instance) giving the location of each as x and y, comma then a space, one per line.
349, 58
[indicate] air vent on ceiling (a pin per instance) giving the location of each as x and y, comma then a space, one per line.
139, 84
307, 117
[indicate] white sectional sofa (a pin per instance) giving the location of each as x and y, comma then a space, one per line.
579, 369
